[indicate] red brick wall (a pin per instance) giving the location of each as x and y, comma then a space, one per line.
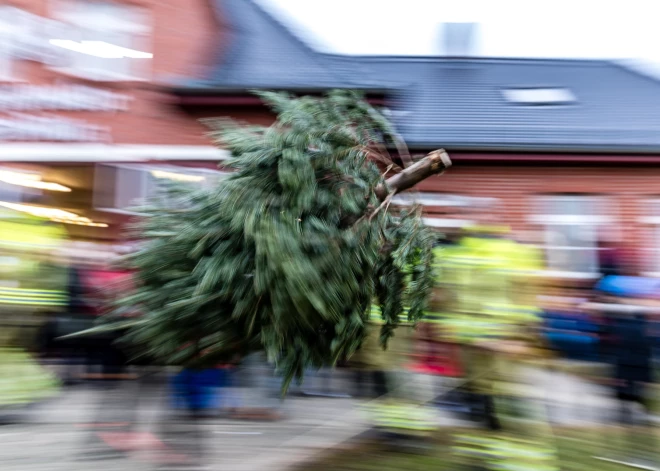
514, 183
186, 40
627, 187
186, 37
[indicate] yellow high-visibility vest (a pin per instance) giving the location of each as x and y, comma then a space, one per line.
488, 277
401, 416
506, 453
26, 242
32, 297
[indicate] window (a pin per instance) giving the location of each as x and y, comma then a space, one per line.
571, 227
429, 199
447, 223
119, 188
651, 245
25, 36
539, 96
444, 210
106, 41
8, 30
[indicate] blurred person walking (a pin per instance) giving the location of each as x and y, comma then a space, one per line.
23, 381
495, 319
632, 356
624, 302
398, 401
260, 388
629, 334
435, 358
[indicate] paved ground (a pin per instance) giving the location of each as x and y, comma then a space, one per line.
57, 436
142, 432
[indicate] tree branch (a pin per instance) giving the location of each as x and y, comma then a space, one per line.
384, 204
434, 163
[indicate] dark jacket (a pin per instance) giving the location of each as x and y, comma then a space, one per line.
632, 354
76, 292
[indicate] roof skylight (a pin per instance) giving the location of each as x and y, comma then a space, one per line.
539, 96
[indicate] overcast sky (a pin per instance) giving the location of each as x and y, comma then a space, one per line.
509, 28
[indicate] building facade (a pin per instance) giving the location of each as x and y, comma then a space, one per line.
83, 105
567, 152
104, 97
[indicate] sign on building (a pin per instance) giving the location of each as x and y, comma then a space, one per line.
21, 127
60, 97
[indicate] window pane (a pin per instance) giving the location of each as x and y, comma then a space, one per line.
430, 199
109, 27
7, 32
571, 205
572, 248
571, 228
112, 66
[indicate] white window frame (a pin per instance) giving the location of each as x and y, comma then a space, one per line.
652, 206
145, 171
25, 36
429, 199
443, 200
440, 200
447, 223
7, 34
137, 33
603, 217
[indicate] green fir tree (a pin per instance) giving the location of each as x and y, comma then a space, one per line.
287, 253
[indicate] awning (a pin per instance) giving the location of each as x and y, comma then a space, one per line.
53, 152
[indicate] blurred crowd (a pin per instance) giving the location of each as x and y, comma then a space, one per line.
494, 311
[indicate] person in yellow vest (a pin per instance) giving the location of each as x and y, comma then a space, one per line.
23, 380
487, 275
436, 361
31, 284
395, 406
494, 317
30, 279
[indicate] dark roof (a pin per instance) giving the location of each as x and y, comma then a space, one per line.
452, 102
263, 53
459, 103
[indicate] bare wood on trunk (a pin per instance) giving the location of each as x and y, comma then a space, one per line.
434, 163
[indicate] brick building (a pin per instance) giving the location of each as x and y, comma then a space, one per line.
96, 95
568, 150
83, 103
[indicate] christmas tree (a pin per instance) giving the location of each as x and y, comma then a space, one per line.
286, 254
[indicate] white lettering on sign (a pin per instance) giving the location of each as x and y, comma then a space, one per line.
28, 35
92, 41
60, 97
45, 128
24, 35
30, 39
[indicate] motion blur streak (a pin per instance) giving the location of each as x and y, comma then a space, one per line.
538, 348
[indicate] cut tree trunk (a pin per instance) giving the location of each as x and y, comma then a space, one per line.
434, 163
